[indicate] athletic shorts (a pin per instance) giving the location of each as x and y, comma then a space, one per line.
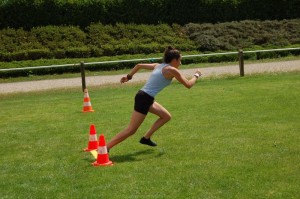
143, 102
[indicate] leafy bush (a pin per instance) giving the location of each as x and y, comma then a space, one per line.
99, 40
39, 54
59, 37
78, 52
12, 40
96, 40
110, 40
231, 36
136, 39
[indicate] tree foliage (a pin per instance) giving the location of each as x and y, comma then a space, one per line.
32, 13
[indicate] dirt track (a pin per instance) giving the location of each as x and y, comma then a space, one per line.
103, 80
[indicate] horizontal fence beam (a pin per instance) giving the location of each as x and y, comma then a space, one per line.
271, 50
39, 67
146, 59
211, 54
122, 61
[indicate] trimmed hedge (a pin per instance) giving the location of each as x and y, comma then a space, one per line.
99, 40
33, 13
106, 40
245, 34
95, 40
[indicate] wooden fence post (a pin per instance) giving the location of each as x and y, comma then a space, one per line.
241, 63
82, 75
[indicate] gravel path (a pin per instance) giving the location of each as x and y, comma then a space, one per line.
103, 80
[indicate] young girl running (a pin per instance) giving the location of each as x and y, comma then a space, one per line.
161, 77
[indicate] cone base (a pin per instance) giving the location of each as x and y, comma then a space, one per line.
88, 111
88, 150
96, 164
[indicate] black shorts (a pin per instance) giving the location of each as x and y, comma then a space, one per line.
143, 102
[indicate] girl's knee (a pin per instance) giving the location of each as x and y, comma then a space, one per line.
131, 130
167, 117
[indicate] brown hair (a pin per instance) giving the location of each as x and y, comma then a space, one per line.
170, 54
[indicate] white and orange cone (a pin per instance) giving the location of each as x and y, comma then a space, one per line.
93, 143
102, 158
87, 105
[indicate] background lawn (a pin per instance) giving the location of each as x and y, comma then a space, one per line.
229, 138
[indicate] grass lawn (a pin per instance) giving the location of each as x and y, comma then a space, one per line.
229, 138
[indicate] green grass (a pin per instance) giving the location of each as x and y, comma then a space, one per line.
229, 138
125, 71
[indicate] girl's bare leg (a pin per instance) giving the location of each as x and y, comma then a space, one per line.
164, 117
135, 122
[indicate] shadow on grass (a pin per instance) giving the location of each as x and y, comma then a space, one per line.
136, 156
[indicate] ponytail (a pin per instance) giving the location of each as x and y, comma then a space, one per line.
170, 54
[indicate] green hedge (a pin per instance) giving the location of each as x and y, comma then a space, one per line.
95, 40
33, 13
245, 34
99, 40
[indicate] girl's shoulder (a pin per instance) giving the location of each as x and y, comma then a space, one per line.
169, 72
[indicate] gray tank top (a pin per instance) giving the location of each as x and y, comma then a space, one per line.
157, 81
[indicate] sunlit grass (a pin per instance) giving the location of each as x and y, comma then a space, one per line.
229, 138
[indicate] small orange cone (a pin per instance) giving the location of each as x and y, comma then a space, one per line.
93, 144
102, 158
87, 106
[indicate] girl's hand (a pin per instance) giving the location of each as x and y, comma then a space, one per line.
124, 79
198, 72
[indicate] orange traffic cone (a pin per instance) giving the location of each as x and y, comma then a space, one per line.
102, 158
87, 106
93, 144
